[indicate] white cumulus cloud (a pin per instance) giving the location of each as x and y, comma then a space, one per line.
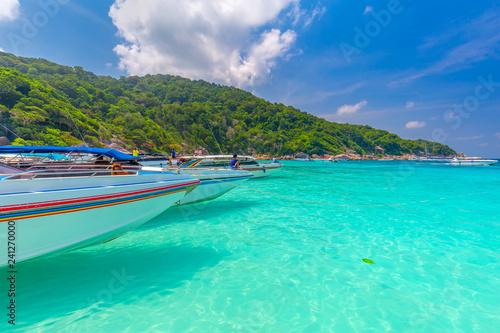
415, 124
9, 10
235, 42
368, 9
409, 104
497, 135
350, 109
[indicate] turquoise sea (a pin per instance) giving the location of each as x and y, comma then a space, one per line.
254, 262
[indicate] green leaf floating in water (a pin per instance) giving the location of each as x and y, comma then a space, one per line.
368, 261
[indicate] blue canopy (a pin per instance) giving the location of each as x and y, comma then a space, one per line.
112, 153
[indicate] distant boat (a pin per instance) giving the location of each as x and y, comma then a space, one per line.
305, 158
466, 161
53, 211
247, 163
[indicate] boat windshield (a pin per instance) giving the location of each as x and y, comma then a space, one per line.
153, 157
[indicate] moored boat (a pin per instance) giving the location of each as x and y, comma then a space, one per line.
214, 182
322, 159
54, 211
341, 158
466, 161
246, 163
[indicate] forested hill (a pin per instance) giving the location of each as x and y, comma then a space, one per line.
49, 104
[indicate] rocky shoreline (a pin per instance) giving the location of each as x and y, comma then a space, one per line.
350, 155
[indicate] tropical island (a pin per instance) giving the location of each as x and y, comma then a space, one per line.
43, 103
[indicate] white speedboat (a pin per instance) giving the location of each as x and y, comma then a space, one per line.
322, 159
50, 211
304, 159
472, 161
214, 182
246, 163
341, 158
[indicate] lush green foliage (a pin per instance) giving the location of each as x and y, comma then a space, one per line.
46, 103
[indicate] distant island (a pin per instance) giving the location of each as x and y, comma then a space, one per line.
43, 103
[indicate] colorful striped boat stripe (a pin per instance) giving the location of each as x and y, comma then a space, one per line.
152, 193
45, 212
193, 163
86, 199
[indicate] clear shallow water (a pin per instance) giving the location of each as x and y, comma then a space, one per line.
250, 262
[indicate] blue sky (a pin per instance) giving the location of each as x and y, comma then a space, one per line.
421, 69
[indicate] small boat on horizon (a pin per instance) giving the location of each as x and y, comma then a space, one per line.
304, 159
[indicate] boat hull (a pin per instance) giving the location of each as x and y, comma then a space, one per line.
50, 216
473, 162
